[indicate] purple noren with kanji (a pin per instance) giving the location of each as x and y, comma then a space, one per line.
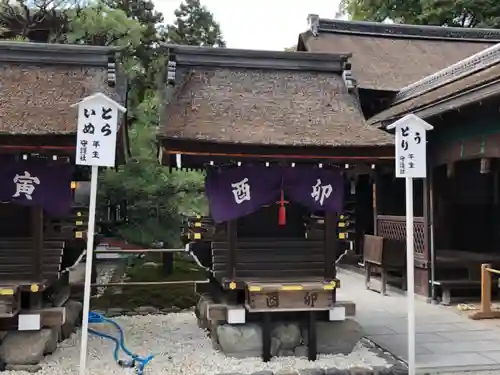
36, 182
236, 192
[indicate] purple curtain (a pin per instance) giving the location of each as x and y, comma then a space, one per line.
316, 188
240, 191
36, 182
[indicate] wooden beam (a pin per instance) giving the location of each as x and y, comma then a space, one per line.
49, 317
37, 224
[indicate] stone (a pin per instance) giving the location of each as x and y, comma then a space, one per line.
26, 368
336, 337
275, 346
240, 341
28, 347
151, 264
173, 309
263, 372
289, 335
360, 371
312, 371
51, 346
301, 351
286, 371
114, 311
73, 313
286, 353
336, 371
145, 310
382, 371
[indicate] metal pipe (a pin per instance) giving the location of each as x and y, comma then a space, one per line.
131, 251
146, 283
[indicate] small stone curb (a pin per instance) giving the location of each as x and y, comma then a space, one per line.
114, 312
395, 370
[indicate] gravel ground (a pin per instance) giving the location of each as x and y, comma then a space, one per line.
180, 347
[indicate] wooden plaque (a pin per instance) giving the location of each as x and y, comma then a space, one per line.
286, 300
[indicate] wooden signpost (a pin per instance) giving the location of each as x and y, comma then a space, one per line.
411, 162
95, 147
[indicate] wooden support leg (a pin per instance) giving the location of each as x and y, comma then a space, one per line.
383, 281
36, 301
368, 271
312, 349
485, 311
445, 296
266, 336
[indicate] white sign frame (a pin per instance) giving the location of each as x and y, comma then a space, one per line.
410, 147
101, 114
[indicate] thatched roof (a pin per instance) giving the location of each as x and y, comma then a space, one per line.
391, 56
468, 81
39, 82
265, 98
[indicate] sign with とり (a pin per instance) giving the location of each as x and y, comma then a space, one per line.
96, 130
411, 146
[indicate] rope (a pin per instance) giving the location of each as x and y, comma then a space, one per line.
497, 272
136, 362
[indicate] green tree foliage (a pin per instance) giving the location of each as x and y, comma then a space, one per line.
195, 26
459, 13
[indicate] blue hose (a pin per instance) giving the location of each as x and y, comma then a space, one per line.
138, 362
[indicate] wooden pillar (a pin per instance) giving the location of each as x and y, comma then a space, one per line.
311, 335
331, 244
231, 233
427, 229
266, 336
374, 200
376, 204
37, 222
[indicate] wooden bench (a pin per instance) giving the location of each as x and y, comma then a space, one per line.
447, 286
385, 254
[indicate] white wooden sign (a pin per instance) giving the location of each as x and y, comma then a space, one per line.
411, 147
411, 162
96, 131
96, 147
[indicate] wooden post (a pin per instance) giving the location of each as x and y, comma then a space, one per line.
485, 288
167, 260
485, 311
266, 336
312, 339
331, 244
231, 233
376, 180
38, 242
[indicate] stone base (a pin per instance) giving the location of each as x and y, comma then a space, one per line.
287, 339
25, 349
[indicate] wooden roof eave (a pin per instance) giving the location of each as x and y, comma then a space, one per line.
457, 101
213, 150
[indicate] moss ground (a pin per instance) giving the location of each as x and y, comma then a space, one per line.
160, 296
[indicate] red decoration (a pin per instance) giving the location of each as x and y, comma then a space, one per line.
282, 209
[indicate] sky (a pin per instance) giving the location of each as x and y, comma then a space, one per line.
259, 24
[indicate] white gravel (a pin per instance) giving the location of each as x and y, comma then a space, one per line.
180, 347
105, 273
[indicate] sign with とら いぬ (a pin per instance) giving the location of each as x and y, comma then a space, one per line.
411, 146
96, 130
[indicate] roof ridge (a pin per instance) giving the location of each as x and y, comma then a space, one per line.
257, 59
463, 68
396, 30
48, 53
